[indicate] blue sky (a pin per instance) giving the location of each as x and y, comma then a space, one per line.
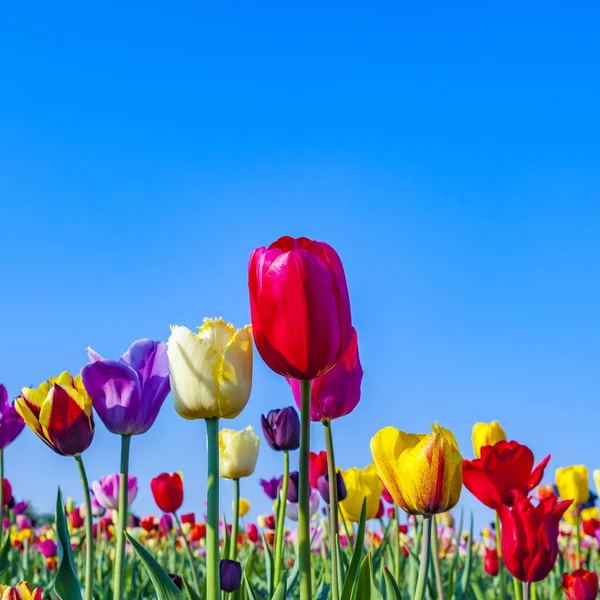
449, 152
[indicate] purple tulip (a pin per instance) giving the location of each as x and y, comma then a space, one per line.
323, 486
337, 392
270, 487
20, 507
11, 422
231, 575
176, 579
166, 523
128, 393
281, 428
48, 548
22, 522
106, 491
292, 493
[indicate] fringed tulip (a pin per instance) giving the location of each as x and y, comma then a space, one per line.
238, 453
486, 434
423, 473
11, 422
361, 484
128, 393
281, 428
106, 491
60, 412
336, 393
530, 536
211, 372
580, 585
572, 484
167, 490
300, 307
502, 468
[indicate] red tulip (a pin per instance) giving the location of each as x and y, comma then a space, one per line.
76, 520
300, 307
167, 490
590, 527
317, 467
403, 529
502, 468
198, 532
491, 563
380, 510
189, 518
405, 551
148, 524
580, 585
530, 536
386, 495
390, 512
269, 521
6, 492
252, 532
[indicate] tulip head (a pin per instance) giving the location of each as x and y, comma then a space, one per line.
361, 485
60, 412
580, 585
293, 486
317, 466
323, 487
11, 422
491, 563
231, 575
106, 491
572, 484
423, 473
252, 532
243, 507
211, 372
21, 591
300, 307
167, 490
238, 453
486, 434
281, 428
270, 487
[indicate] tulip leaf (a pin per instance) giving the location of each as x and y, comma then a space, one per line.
292, 578
356, 556
452, 573
464, 583
477, 591
66, 584
249, 590
189, 591
269, 565
365, 587
323, 593
281, 591
226, 539
163, 585
5, 552
392, 591
558, 594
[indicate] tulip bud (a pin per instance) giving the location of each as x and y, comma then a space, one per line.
188, 518
231, 575
12, 422
269, 521
167, 490
580, 585
486, 434
252, 532
177, 580
69, 505
281, 428
323, 487
292, 492
572, 484
590, 527
238, 453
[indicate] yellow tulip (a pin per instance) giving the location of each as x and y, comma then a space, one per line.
21, 591
361, 484
590, 513
210, 372
243, 506
572, 484
423, 473
486, 434
238, 453
447, 519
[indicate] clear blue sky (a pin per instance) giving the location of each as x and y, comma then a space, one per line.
449, 152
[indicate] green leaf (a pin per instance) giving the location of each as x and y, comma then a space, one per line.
356, 556
281, 591
249, 590
5, 552
323, 593
226, 539
365, 587
66, 584
293, 576
452, 574
269, 565
189, 591
163, 585
464, 583
477, 592
391, 587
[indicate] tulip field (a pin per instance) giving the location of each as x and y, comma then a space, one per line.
390, 531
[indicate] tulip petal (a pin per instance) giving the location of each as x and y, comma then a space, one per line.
235, 376
537, 473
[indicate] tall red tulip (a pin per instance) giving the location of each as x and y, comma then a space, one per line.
300, 306
580, 585
502, 468
317, 467
336, 393
167, 490
530, 536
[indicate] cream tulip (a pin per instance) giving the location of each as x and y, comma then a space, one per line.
238, 453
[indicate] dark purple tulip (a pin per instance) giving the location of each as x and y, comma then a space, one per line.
292, 494
11, 422
20, 507
270, 487
281, 428
128, 393
231, 575
323, 487
176, 579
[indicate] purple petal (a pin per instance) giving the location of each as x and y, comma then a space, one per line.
93, 355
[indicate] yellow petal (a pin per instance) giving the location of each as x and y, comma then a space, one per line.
235, 377
238, 453
217, 333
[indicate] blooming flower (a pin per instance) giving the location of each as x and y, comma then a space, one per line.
167, 490
270, 487
106, 490
572, 484
238, 452
11, 422
486, 434
361, 484
281, 428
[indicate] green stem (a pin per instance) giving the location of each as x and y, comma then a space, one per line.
119, 569
89, 531
424, 561
213, 585
435, 553
303, 497
190, 556
577, 539
397, 545
518, 589
500, 561
525, 591
235, 522
333, 510
533, 591
279, 534
347, 532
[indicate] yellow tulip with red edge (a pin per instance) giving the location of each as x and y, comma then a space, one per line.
60, 412
486, 434
21, 591
422, 472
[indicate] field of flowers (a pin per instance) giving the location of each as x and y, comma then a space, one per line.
385, 532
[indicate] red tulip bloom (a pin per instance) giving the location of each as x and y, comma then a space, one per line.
76, 520
252, 532
580, 585
502, 468
590, 527
269, 521
491, 563
403, 529
300, 307
317, 466
148, 524
6, 492
530, 536
167, 490
390, 513
189, 519
385, 494
380, 510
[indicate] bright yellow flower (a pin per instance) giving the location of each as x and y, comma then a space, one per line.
21, 591
243, 506
572, 484
486, 434
361, 484
590, 513
423, 473
238, 453
211, 372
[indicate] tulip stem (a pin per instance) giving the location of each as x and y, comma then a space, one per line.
236, 518
436, 562
190, 556
424, 562
303, 496
213, 585
119, 568
577, 539
333, 510
525, 591
500, 560
89, 531
397, 545
283, 492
